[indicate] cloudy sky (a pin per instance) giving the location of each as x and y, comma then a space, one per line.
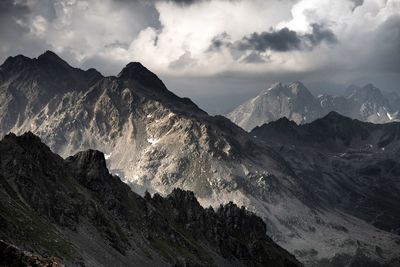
218, 52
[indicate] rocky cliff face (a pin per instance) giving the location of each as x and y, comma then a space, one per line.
152, 138
296, 103
292, 101
334, 132
157, 141
12, 256
211, 227
348, 164
75, 210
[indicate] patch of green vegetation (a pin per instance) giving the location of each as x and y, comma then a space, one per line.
25, 228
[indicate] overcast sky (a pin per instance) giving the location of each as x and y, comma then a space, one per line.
218, 52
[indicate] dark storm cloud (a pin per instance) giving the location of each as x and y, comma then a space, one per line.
220, 41
12, 9
14, 19
368, 51
284, 40
320, 34
357, 3
18, 18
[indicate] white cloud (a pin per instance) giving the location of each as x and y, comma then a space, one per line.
189, 31
173, 39
39, 26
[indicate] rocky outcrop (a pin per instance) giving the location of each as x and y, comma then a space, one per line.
235, 232
80, 213
12, 256
351, 165
296, 103
293, 101
157, 141
334, 132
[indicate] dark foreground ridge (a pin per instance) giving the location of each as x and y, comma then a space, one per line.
13, 256
74, 210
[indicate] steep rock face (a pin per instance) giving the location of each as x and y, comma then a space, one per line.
292, 101
75, 210
27, 85
335, 132
213, 227
370, 105
335, 103
12, 256
157, 141
153, 138
364, 103
349, 165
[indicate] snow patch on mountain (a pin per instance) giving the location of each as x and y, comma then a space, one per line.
153, 141
295, 102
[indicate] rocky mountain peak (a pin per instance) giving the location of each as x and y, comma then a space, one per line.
48, 60
106, 221
87, 158
298, 89
297, 86
351, 89
275, 86
333, 115
284, 123
27, 139
368, 92
90, 166
297, 103
15, 64
292, 89
370, 87
183, 199
51, 58
137, 72
293, 101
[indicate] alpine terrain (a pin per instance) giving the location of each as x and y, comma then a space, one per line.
295, 102
156, 141
76, 211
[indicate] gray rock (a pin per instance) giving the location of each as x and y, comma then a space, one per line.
68, 198
296, 103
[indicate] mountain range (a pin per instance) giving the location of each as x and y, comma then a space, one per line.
156, 141
295, 102
76, 211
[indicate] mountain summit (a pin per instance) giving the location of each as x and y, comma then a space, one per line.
78, 212
52, 58
156, 141
296, 102
137, 72
293, 101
